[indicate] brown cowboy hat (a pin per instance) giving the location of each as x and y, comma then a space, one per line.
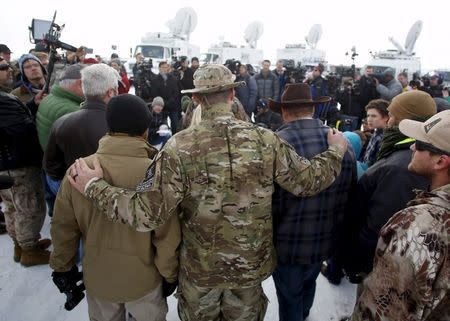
296, 95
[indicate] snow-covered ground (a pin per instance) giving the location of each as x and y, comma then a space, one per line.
28, 294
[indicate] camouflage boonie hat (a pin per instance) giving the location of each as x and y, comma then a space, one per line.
212, 78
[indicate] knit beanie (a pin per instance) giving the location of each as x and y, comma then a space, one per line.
127, 114
26, 57
158, 101
415, 104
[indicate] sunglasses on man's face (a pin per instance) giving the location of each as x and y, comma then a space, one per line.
422, 146
4, 67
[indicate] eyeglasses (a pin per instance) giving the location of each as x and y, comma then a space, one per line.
422, 146
31, 66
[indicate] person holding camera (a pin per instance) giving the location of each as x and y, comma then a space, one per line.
390, 87
125, 272
246, 94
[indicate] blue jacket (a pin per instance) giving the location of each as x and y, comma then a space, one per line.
247, 94
306, 229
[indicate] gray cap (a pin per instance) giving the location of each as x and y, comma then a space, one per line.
389, 72
158, 101
72, 72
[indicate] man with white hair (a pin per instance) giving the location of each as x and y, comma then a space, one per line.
77, 134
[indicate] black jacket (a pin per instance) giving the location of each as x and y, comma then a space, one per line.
73, 136
169, 91
155, 122
384, 189
19, 144
187, 81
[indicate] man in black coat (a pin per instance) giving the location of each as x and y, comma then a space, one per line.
166, 86
20, 160
77, 134
387, 186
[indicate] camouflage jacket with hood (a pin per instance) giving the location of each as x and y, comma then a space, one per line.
219, 176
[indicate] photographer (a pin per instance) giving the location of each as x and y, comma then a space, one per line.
186, 75
246, 94
143, 77
367, 87
352, 112
435, 89
390, 87
318, 87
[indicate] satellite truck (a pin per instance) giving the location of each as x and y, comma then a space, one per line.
402, 58
220, 53
159, 46
305, 54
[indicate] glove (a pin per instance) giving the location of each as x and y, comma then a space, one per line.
65, 281
168, 288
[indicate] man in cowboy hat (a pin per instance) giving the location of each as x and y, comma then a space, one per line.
218, 176
305, 228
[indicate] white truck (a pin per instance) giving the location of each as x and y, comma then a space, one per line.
307, 57
402, 59
224, 51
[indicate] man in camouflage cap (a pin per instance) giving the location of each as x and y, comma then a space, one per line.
219, 177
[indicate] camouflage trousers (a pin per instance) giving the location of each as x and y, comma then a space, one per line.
212, 304
24, 205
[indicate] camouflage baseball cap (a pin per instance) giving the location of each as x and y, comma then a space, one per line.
212, 78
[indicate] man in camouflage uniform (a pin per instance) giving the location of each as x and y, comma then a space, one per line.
220, 176
411, 275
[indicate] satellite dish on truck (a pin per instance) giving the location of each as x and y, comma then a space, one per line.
314, 36
184, 23
253, 32
410, 41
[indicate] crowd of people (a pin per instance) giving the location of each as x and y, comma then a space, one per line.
210, 182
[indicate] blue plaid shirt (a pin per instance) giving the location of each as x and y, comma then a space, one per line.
306, 229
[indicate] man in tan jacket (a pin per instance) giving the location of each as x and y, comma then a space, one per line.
125, 271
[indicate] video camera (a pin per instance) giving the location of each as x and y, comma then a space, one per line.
296, 74
233, 65
48, 33
67, 284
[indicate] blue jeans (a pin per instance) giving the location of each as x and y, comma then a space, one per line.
51, 188
296, 287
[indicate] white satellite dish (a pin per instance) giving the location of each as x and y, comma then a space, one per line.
314, 36
184, 23
413, 34
253, 32
411, 39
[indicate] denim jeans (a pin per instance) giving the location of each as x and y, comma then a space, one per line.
296, 287
51, 188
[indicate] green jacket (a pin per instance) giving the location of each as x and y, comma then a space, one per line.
58, 103
119, 264
219, 175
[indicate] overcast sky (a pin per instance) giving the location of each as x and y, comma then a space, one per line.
365, 24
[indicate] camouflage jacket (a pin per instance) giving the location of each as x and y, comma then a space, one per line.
411, 275
219, 177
